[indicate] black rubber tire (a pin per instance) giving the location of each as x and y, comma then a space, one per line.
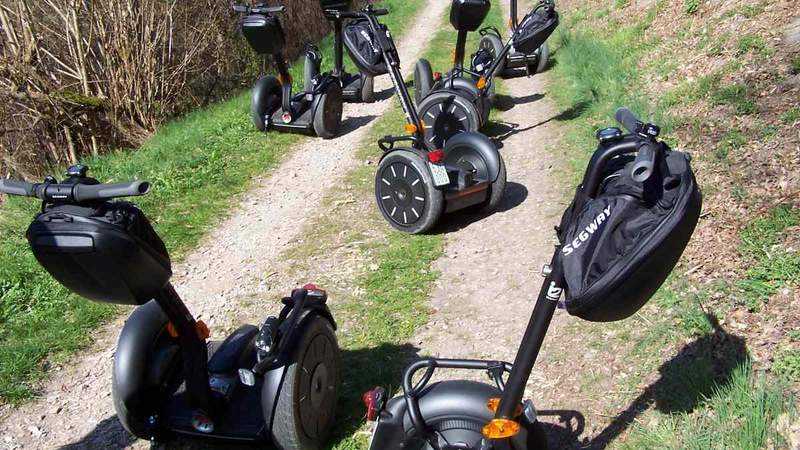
496, 190
367, 88
328, 115
403, 184
491, 42
423, 80
442, 121
309, 391
260, 108
544, 56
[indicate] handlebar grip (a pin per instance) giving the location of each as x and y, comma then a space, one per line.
628, 119
84, 192
22, 188
644, 164
240, 8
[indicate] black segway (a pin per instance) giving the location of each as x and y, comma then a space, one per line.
358, 87
632, 217
526, 52
454, 102
277, 382
315, 111
477, 82
415, 185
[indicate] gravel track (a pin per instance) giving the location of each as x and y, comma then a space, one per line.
224, 280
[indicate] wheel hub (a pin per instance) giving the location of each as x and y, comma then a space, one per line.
402, 194
319, 383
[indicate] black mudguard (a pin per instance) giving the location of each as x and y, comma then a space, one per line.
273, 379
324, 81
468, 87
261, 91
477, 144
451, 402
139, 365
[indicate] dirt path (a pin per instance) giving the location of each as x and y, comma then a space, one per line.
490, 272
225, 279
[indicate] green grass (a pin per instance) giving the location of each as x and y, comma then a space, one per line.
740, 414
196, 164
770, 267
790, 116
794, 65
691, 6
752, 43
787, 364
707, 396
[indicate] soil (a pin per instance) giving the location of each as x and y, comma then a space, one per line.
223, 282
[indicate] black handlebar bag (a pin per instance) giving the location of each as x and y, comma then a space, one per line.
365, 47
619, 246
107, 251
534, 31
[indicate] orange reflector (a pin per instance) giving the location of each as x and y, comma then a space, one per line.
493, 403
171, 330
481, 82
202, 330
288, 79
453, 55
510, 23
411, 128
501, 429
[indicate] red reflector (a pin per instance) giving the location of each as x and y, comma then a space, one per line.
436, 156
310, 287
373, 401
437, 76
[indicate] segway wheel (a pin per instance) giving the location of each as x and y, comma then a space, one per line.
496, 190
328, 115
492, 44
305, 413
544, 56
445, 114
367, 89
266, 100
423, 79
405, 192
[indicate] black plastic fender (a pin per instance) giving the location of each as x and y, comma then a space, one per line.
322, 87
469, 87
273, 378
448, 404
471, 144
259, 105
134, 390
422, 154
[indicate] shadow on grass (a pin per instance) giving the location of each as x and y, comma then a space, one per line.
696, 372
507, 103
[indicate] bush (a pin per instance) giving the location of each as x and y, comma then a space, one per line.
79, 77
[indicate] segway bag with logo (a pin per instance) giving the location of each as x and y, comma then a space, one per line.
364, 47
534, 31
620, 246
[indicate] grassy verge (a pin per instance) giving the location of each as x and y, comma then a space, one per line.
197, 164
707, 394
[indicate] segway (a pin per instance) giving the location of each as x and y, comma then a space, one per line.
526, 52
359, 87
275, 383
415, 185
315, 111
625, 230
453, 103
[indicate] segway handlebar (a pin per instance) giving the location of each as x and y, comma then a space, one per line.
356, 14
645, 162
74, 193
259, 9
628, 119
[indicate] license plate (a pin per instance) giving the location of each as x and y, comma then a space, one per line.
439, 173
